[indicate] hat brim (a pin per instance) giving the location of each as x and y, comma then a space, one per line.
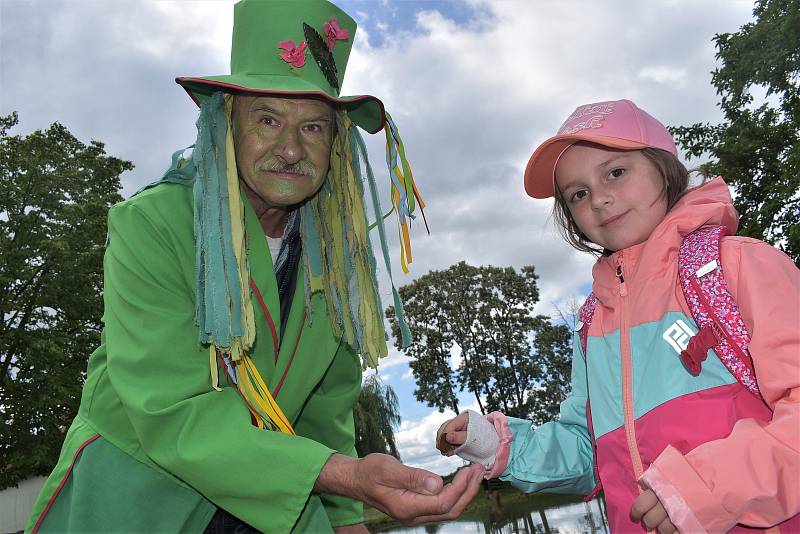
540, 171
365, 111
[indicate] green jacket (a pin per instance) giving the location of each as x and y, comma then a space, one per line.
154, 448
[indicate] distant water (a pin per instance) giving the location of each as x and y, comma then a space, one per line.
576, 518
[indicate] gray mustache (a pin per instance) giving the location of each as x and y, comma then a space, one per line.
276, 165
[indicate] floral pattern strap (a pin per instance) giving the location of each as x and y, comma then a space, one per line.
585, 314
711, 303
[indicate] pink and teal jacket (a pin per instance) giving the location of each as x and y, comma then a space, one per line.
717, 456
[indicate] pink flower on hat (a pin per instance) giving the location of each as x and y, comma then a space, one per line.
333, 32
293, 54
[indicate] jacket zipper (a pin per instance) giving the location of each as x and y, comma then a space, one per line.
627, 373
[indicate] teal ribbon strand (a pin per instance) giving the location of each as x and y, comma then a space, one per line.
359, 152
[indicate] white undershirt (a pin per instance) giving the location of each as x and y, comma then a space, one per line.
274, 247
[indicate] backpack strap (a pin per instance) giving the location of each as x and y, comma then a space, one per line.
585, 316
713, 308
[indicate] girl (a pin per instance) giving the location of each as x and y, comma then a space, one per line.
671, 450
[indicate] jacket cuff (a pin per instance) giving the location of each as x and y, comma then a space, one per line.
679, 513
691, 505
342, 511
500, 422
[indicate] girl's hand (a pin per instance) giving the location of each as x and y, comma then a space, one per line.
649, 510
452, 434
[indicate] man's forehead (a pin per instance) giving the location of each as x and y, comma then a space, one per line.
304, 105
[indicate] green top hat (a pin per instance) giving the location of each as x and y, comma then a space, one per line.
291, 47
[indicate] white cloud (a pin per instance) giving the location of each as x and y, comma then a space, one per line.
394, 358
455, 357
185, 19
676, 76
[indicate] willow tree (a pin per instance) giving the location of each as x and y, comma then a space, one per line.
376, 415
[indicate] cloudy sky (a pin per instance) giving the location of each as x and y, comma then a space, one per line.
474, 86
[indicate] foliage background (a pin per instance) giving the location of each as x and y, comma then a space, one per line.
54, 197
757, 147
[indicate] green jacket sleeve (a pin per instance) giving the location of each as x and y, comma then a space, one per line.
161, 375
556, 457
328, 419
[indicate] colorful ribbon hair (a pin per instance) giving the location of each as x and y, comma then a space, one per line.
338, 260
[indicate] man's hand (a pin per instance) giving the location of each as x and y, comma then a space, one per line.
410, 495
649, 510
452, 434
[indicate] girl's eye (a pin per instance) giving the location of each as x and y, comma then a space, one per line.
313, 128
616, 173
578, 195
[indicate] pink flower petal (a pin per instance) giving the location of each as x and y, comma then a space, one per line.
294, 54
334, 32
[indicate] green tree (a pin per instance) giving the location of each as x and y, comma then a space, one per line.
757, 148
54, 198
376, 416
480, 317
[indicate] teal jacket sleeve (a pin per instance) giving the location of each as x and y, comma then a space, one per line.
161, 375
328, 419
556, 457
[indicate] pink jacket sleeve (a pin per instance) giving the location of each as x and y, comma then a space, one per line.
752, 476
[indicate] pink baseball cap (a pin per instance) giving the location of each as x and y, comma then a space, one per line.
615, 124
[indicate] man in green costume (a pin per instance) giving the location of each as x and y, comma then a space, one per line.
240, 306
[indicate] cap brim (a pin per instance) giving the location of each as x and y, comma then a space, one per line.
540, 171
365, 111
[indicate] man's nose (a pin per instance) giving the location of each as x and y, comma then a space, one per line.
289, 147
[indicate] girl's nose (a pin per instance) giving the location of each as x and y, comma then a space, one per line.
601, 199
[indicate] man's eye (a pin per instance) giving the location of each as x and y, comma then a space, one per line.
313, 128
616, 173
269, 121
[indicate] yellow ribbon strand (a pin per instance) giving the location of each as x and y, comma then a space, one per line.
273, 409
212, 353
254, 393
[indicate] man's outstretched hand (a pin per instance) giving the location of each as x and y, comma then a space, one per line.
410, 495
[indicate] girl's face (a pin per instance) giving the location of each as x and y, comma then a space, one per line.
616, 197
